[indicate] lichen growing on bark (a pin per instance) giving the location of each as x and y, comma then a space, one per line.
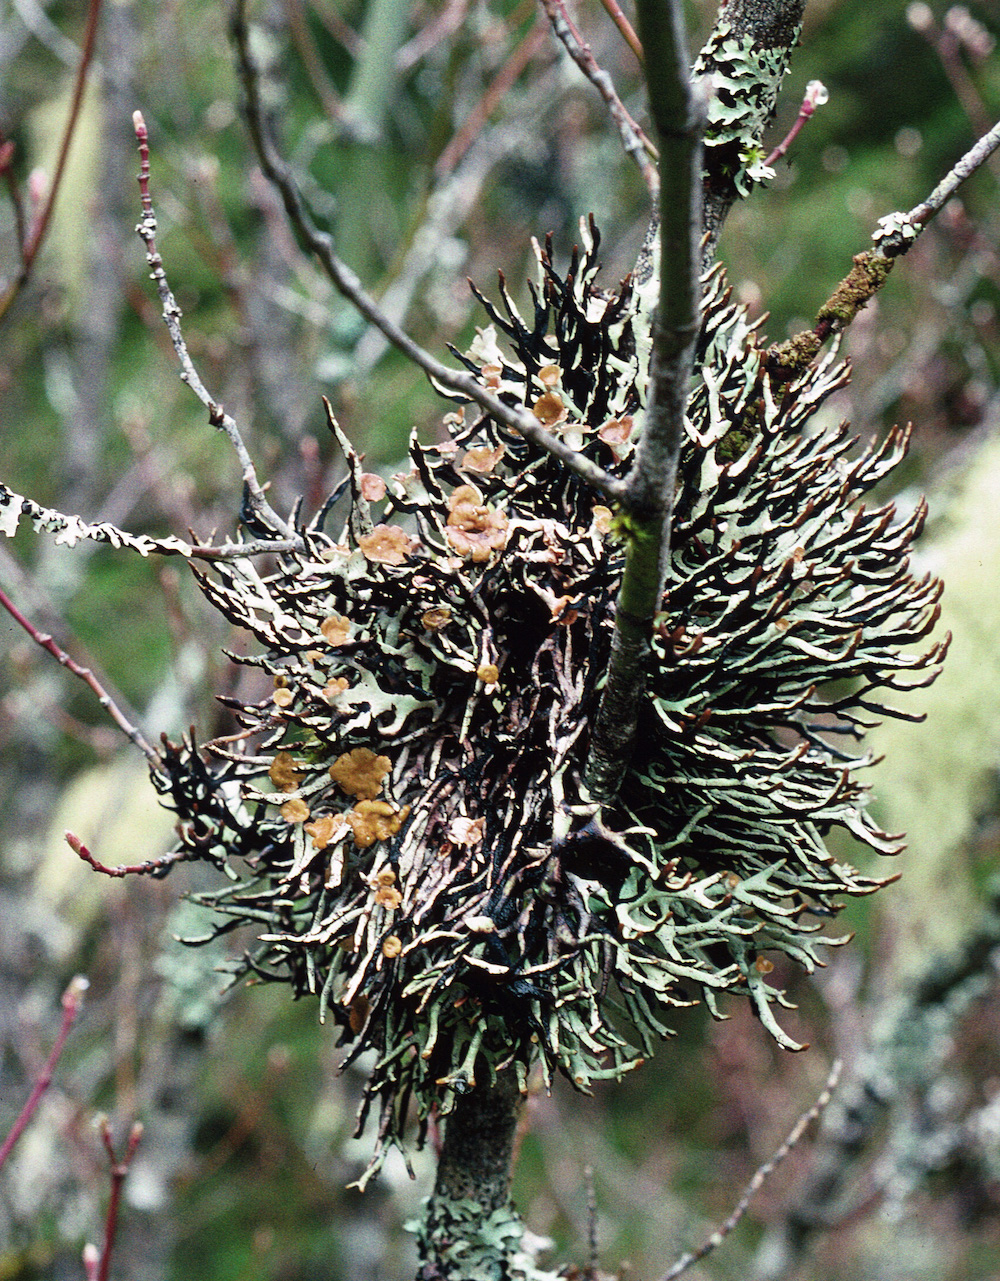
402, 820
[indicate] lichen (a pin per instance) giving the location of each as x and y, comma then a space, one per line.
438, 695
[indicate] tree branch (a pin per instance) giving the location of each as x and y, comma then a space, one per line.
649, 486
750, 44
321, 244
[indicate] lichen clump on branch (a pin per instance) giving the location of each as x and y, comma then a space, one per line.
404, 823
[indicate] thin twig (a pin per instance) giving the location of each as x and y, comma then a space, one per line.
29, 250
217, 416
85, 674
634, 140
760, 1175
649, 487
72, 1000
624, 26
149, 868
920, 215
119, 1171
815, 96
321, 244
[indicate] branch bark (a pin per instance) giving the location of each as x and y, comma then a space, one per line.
649, 486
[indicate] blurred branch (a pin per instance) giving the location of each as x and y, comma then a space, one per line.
374, 79
87, 676
624, 26
496, 91
321, 244
649, 486
36, 236
760, 1176
97, 1265
72, 1000
634, 140
912, 1036
263, 512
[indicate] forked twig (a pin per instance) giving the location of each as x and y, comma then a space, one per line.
72, 1000
277, 171
761, 1174
815, 96
87, 676
98, 1263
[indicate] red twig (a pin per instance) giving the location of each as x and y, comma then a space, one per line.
7, 153
96, 1266
71, 1002
30, 248
149, 868
85, 674
624, 26
816, 95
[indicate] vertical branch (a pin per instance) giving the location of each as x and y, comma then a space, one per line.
648, 501
470, 1228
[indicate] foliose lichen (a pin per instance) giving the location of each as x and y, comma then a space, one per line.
401, 819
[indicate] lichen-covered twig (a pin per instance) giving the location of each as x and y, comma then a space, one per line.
894, 236
260, 509
634, 140
452, 381
87, 676
649, 487
760, 1176
72, 1000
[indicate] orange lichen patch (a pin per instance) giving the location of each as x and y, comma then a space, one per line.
482, 459
455, 419
313, 656
373, 821
327, 829
549, 375
360, 772
491, 375
386, 877
488, 673
386, 544
549, 409
434, 619
603, 517
388, 896
336, 629
372, 487
283, 697
466, 831
391, 947
616, 431
335, 688
762, 965
474, 530
295, 811
283, 772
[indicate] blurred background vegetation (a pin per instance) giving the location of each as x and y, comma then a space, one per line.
437, 138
